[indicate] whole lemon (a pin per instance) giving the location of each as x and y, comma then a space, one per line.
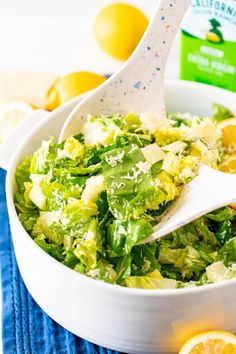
70, 86
118, 29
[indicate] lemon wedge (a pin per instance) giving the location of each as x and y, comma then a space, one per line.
70, 86
229, 165
12, 114
213, 342
228, 128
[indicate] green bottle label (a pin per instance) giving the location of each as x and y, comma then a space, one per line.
208, 43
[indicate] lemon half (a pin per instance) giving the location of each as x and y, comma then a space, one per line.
213, 342
11, 114
70, 86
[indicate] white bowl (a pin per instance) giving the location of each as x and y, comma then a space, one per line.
128, 320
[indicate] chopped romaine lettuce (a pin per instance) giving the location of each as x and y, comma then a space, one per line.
90, 200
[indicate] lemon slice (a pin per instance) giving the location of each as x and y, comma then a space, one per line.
228, 128
12, 114
213, 342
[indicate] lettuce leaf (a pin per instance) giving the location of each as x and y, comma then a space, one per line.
130, 189
123, 235
23, 173
43, 227
144, 259
43, 157
77, 213
203, 230
103, 271
71, 260
86, 248
29, 219
55, 251
228, 252
222, 215
150, 199
123, 268
122, 175
153, 280
224, 232
220, 112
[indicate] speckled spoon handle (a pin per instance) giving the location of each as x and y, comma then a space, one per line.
138, 86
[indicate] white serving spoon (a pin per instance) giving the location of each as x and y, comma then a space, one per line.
138, 86
210, 190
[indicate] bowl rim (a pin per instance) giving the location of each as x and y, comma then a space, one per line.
99, 284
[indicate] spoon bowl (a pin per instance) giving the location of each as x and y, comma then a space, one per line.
198, 198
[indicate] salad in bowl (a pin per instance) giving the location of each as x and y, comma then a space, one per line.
90, 200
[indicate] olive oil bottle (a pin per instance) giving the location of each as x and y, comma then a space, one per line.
208, 43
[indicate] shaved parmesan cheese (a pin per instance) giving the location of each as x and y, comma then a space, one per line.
94, 186
48, 217
207, 156
171, 164
175, 147
37, 197
37, 178
95, 133
205, 129
217, 272
153, 153
114, 160
151, 122
36, 194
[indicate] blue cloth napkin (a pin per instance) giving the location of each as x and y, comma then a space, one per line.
25, 327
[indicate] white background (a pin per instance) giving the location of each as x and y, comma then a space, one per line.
56, 36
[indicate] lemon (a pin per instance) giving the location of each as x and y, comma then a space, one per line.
11, 114
70, 86
212, 342
228, 128
118, 29
229, 165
